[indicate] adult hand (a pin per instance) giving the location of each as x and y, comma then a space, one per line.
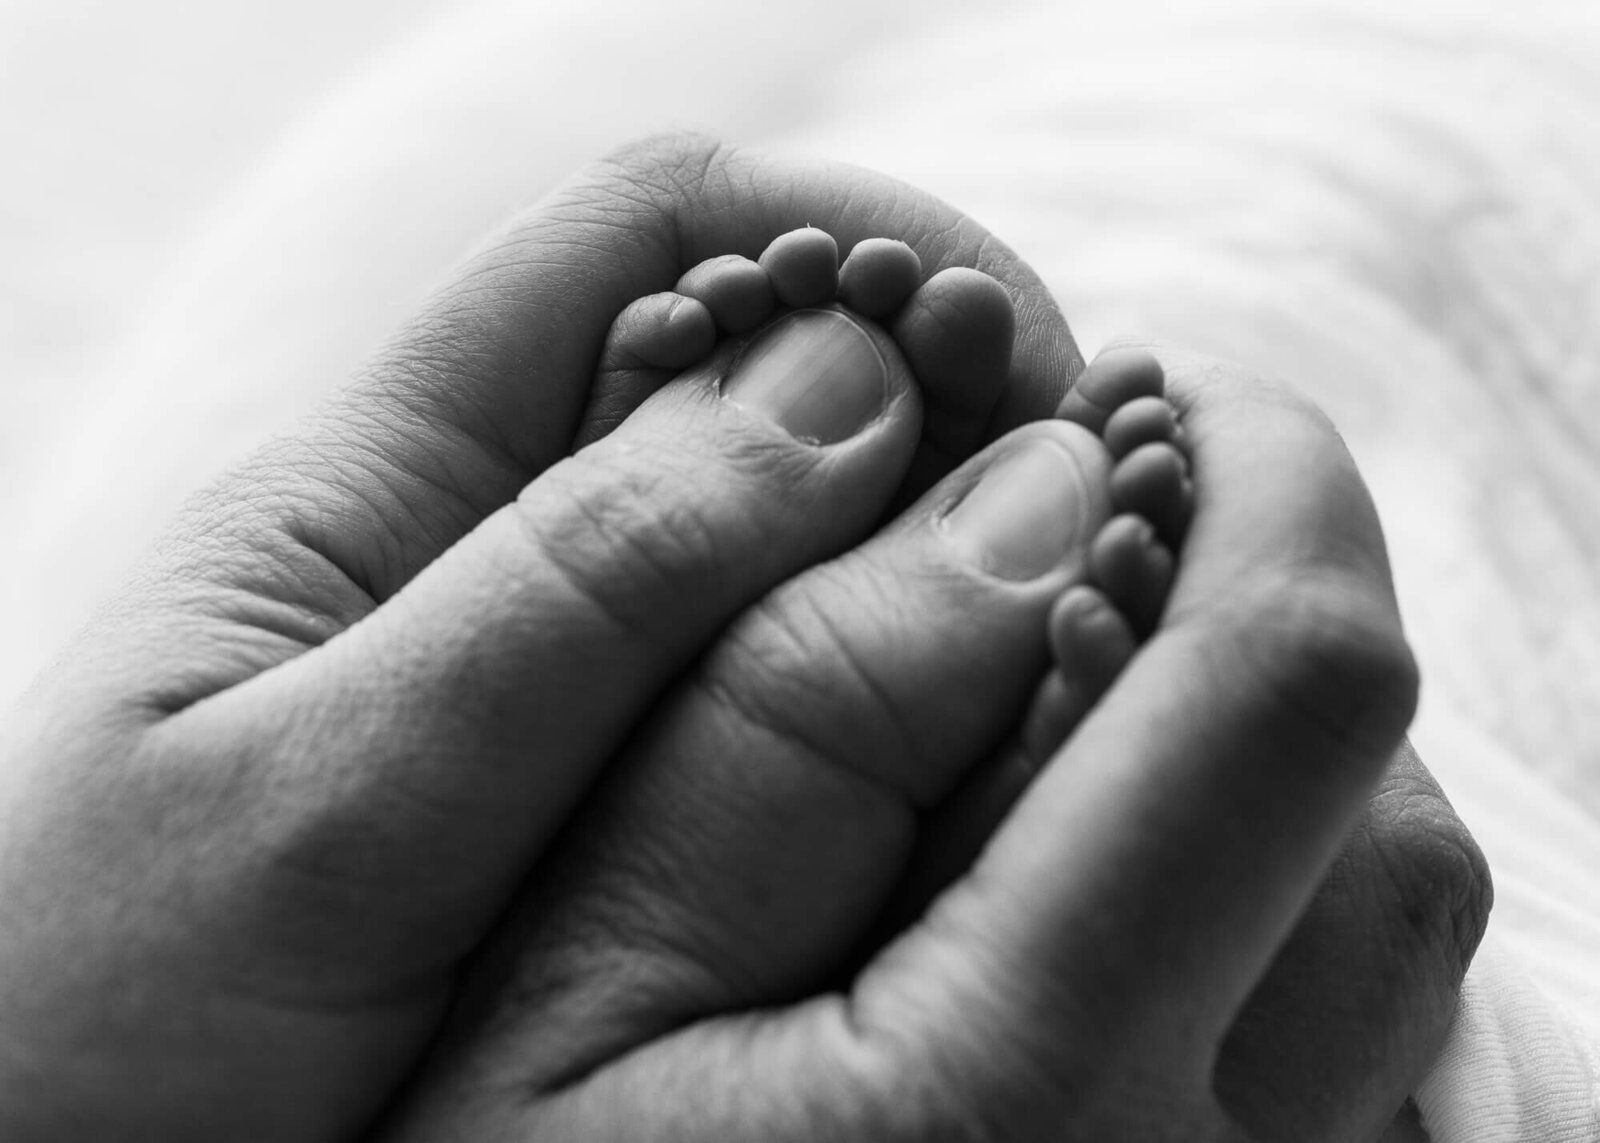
257, 821
1111, 967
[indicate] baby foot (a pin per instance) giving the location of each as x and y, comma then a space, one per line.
1095, 627
955, 330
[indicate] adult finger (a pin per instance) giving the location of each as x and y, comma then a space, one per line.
1358, 1001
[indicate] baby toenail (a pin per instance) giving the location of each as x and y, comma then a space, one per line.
814, 373
1025, 515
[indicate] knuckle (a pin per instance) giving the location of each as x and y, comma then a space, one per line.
1443, 890
1330, 653
638, 540
798, 671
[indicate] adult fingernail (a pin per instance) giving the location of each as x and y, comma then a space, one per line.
1024, 515
815, 373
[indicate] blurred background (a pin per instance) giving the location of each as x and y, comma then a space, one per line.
211, 213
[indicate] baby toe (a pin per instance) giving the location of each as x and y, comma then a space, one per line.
1090, 638
1153, 481
879, 276
1134, 569
1092, 643
1057, 708
736, 290
1111, 380
658, 331
650, 341
1142, 421
803, 266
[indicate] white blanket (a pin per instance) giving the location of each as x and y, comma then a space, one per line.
215, 213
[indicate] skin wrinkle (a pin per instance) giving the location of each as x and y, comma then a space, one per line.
308, 523
1453, 876
899, 1093
665, 939
651, 545
423, 379
901, 734
606, 923
769, 719
1026, 1074
259, 633
234, 610
363, 484
797, 617
445, 478
433, 359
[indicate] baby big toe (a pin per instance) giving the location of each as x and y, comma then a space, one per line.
957, 332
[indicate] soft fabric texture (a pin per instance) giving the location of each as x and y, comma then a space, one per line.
1516, 1066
